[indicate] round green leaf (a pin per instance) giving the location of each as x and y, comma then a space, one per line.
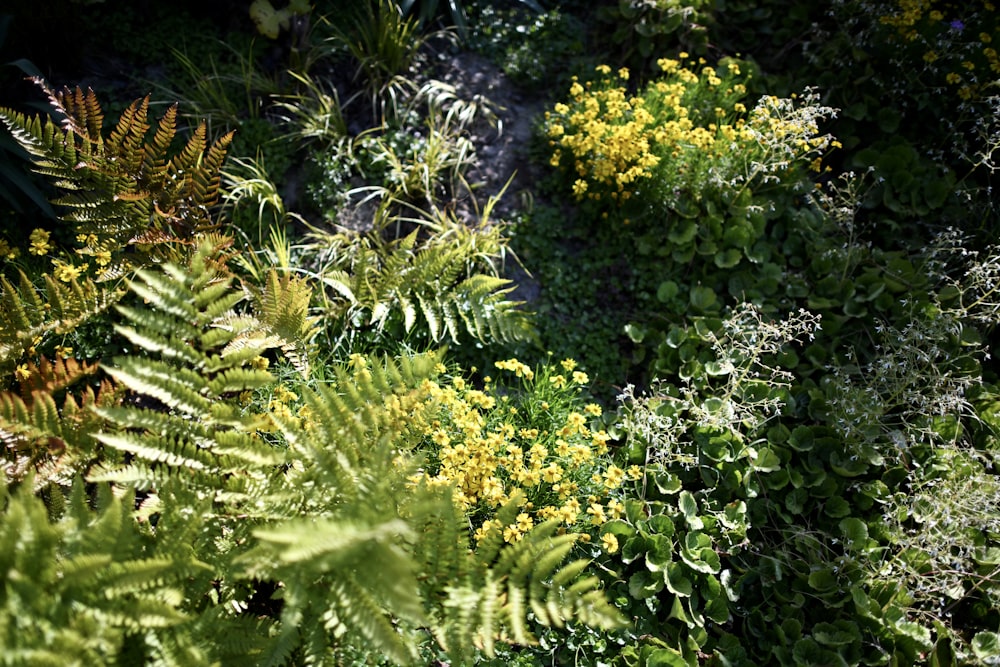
703, 297
855, 532
986, 646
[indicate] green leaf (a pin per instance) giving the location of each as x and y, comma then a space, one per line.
727, 259
642, 585
665, 657
659, 523
986, 646
703, 298
842, 634
688, 506
822, 580
683, 233
801, 439
766, 461
855, 532
268, 20
667, 291
636, 333
676, 580
836, 507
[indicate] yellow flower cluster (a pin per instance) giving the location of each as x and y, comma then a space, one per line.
492, 444
682, 133
608, 135
612, 142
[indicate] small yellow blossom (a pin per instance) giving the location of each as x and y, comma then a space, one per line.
592, 409
568, 364
39, 239
579, 377
23, 372
953, 78
67, 272
558, 381
609, 542
597, 515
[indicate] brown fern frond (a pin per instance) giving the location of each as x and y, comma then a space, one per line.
51, 376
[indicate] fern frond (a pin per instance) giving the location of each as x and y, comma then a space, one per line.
444, 286
283, 307
28, 313
124, 193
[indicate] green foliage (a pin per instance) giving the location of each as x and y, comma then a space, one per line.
527, 45
642, 31
29, 313
445, 281
429, 9
84, 586
385, 46
224, 514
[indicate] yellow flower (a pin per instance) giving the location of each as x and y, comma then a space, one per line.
634, 472
63, 351
953, 78
613, 477
568, 364
23, 372
597, 515
609, 542
616, 509
558, 381
39, 242
68, 272
600, 441
935, 15
667, 65
930, 56
602, 69
985, 37
623, 73
592, 409
552, 473
580, 377
968, 65
579, 187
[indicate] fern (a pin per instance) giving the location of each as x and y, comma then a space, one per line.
442, 286
55, 444
203, 344
123, 193
29, 313
81, 587
283, 307
503, 582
